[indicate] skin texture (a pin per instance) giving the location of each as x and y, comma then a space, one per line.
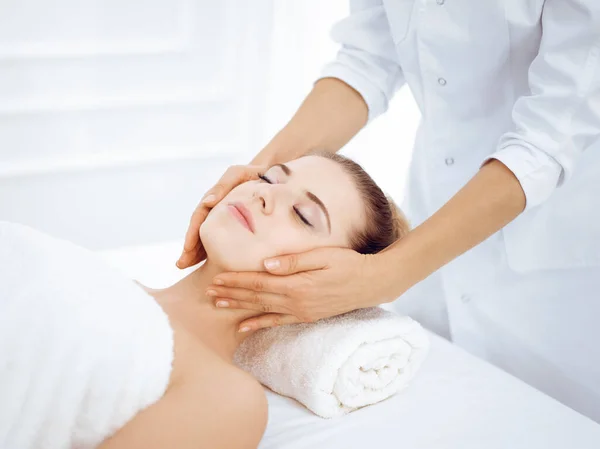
209, 401
304, 287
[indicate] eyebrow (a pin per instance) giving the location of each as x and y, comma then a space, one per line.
311, 196
285, 168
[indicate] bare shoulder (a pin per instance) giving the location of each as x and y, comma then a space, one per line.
231, 397
209, 403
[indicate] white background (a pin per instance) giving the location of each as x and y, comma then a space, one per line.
117, 115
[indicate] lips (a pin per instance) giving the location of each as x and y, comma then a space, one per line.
244, 215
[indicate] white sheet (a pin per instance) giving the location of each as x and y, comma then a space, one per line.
456, 401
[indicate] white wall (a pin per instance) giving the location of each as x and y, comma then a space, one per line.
116, 115
113, 111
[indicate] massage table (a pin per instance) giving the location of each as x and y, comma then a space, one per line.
456, 401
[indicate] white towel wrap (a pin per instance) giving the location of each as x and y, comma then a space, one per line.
82, 348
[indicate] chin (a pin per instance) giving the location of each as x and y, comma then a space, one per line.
229, 253
227, 262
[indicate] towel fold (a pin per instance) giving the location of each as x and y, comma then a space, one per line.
339, 364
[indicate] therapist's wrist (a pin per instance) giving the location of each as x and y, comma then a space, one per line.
489, 201
387, 275
283, 148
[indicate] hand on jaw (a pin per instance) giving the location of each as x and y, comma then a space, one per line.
302, 287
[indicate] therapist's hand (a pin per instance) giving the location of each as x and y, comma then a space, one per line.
303, 287
193, 251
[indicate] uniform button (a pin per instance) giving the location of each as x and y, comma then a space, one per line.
441, 81
449, 161
465, 299
441, 2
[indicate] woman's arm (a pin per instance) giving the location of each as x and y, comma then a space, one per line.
331, 115
489, 201
354, 88
192, 415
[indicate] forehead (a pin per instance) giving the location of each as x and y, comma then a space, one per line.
335, 188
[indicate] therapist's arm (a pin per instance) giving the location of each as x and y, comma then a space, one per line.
489, 201
328, 118
552, 126
559, 118
354, 88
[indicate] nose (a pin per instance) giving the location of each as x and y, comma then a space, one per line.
264, 196
267, 195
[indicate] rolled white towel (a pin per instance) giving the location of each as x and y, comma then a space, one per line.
339, 364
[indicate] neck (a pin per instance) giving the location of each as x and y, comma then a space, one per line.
187, 304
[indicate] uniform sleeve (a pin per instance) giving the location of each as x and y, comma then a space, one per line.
560, 118
367, 60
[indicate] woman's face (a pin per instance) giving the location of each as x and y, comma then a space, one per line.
308, 203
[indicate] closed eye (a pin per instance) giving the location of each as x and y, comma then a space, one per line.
264, 178
298, 213
302, 217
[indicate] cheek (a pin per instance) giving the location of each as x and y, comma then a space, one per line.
217, 235
233, 248
229, 246
207, 235
289, 239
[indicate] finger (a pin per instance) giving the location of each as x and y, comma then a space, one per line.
210, 199
185, 258
223, 186
295, 263
239, 298
229, 303
251, 172
215, 194
233, 177
257, 281
192, 236
191, 258
266, 321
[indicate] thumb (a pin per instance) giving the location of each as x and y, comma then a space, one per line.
296, 263
213, 196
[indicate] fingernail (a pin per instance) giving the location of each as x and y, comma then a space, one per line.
271, 264
211, 293
222, 304
218, 282
209, 199
244, 329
